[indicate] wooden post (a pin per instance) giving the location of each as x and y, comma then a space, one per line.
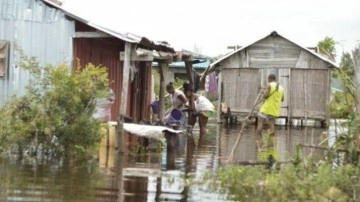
162, 69
356, 56
327, 114
289, 100
189, 73
124, 93
219, 97
119, 175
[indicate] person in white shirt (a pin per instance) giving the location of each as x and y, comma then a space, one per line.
178, 101
199, 107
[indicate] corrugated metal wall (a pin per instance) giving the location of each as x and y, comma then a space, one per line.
141, 92
105, 52
40, 31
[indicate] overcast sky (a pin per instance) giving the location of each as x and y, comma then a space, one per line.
212, 25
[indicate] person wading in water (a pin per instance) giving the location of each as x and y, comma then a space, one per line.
270, 109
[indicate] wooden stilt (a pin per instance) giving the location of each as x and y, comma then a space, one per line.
124, 93
162, 68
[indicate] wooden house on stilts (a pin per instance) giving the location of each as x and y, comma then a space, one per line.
304, 74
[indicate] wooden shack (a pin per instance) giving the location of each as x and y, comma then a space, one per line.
304, 74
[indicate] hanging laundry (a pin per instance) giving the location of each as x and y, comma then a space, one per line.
211, 86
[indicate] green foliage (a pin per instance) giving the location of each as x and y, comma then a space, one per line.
347, 65
346, 73
349, 142
178, 83
304, 182
56, 111
327, 46
335, 177
343, 103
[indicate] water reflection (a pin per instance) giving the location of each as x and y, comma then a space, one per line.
152, 176
31, 180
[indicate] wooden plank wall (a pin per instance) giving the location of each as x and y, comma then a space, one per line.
234, 61
240, 88
305, 90
273, 53
308, 94
141, 92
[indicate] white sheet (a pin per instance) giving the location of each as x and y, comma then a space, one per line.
148, 130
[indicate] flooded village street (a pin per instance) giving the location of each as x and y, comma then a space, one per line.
97, 99
148, 176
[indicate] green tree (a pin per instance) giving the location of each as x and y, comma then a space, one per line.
343, 103
327, 47
347, 65
56, 111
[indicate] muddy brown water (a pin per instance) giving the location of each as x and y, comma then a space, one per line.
148, 176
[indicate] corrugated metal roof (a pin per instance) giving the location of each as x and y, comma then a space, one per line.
199, 61
203, 64
213, 65
128, 37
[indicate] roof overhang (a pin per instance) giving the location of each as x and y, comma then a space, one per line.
127, 37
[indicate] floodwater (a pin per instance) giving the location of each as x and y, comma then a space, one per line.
144, 177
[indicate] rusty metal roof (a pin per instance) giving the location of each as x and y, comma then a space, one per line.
128, 37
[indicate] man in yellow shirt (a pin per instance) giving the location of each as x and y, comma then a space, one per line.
270, 109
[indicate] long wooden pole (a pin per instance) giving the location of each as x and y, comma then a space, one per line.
356, 56
218, 116
289, 100
243, 125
